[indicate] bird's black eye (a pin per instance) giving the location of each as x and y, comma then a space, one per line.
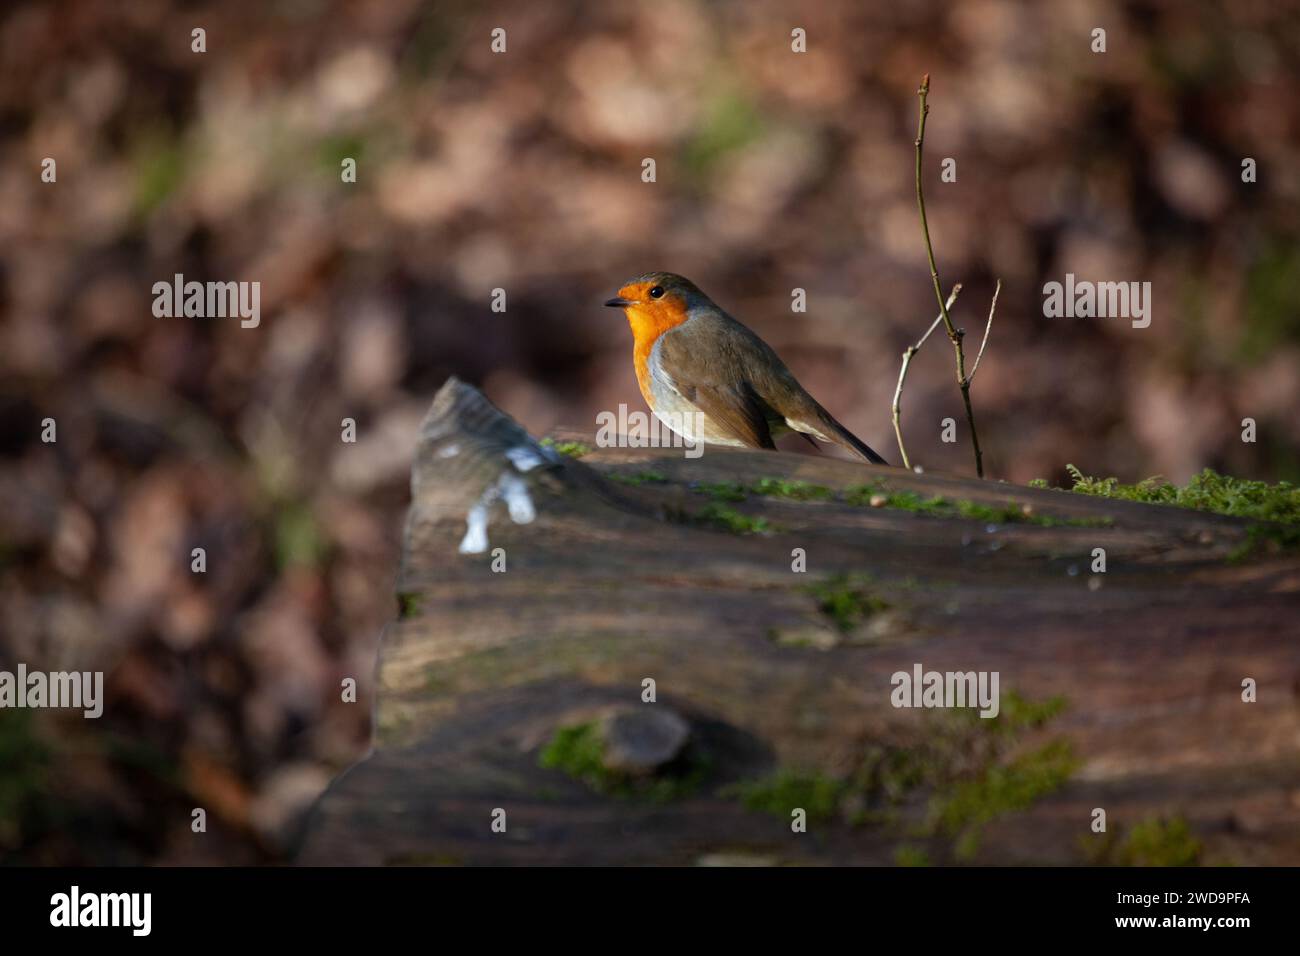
657, 292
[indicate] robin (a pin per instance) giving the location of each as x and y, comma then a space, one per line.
696, 364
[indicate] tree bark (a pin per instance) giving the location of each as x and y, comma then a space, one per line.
613, 583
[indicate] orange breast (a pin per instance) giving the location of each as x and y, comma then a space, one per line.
641, 361
648, 323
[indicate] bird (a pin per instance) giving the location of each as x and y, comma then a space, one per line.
708, 377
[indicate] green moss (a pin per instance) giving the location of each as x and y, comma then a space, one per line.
408, 604
846, 600
1018, 713
731, 491
639, 478
891, 773
571, 449
1207, 491
735, 491
1012, 512
816, 794
579, 751
720, 516
1266, 537
795, 490
1159, 842
1001, 789
1276, 508
958, 759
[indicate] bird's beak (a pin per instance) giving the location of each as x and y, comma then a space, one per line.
618, 302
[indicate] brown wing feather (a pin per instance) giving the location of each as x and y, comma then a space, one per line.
715, 388
752, 386
776, 389
735, 410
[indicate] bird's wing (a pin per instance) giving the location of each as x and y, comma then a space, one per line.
737, 410
769, 385
730, 403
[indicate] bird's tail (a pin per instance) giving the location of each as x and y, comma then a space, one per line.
843, 437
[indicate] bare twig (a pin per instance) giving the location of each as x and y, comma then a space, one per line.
955, 335
902, 374
987, 329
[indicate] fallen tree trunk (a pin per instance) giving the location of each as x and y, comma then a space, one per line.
513, 722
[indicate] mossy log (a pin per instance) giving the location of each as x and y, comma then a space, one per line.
517, 696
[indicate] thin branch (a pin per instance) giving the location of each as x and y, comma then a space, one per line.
902, 374
987, 329
954, 335
952, 297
